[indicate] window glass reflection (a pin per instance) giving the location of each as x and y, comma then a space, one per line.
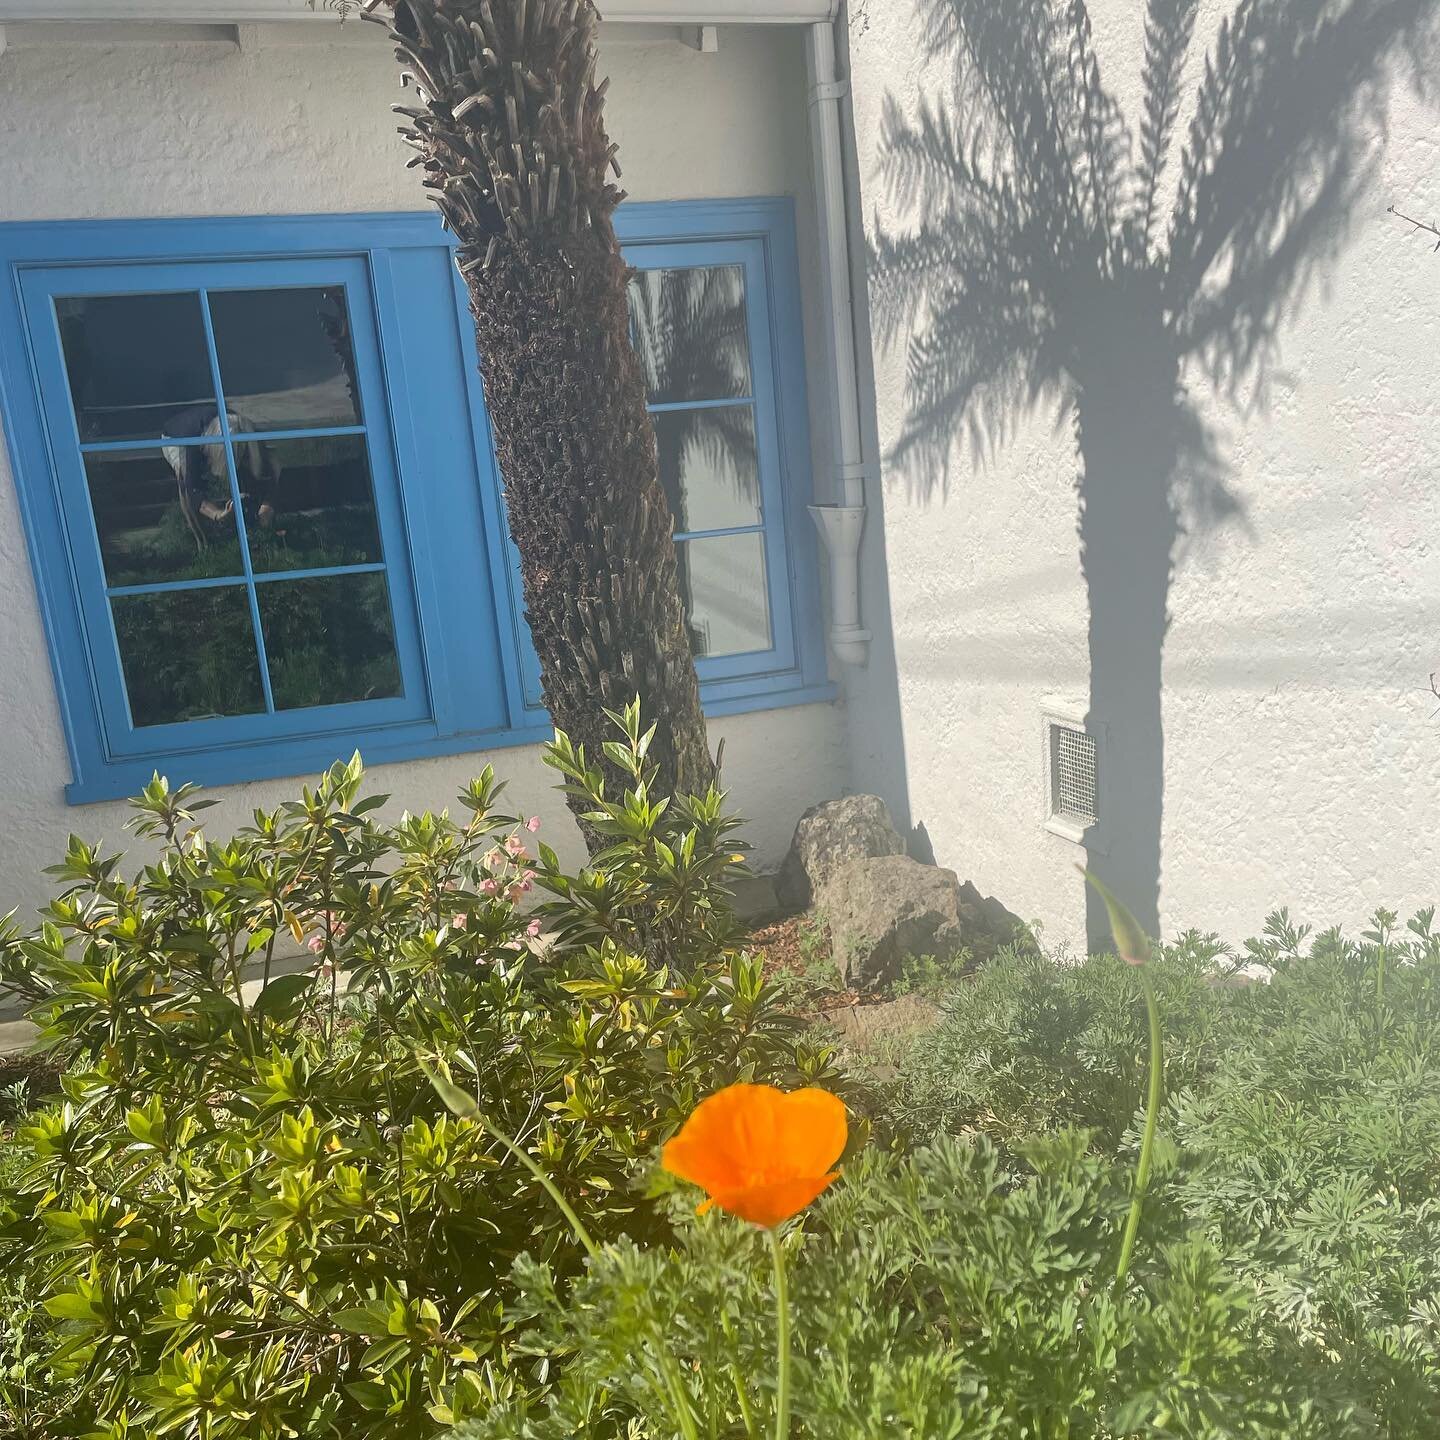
287, 361
313, 507
691, 333
724, 585
188, 654
709, 466
329, 640
163, 514
134, 362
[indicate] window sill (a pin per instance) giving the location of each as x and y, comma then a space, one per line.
309, 756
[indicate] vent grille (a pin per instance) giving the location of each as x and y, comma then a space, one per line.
1074, 782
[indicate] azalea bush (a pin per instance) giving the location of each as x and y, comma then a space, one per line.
251, 1215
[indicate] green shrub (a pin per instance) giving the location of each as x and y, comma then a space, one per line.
933, 1297
1028, 1045
1312, 1158
1302, 1133
252, 1217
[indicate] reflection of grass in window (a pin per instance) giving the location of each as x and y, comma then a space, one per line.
305, 678
188, 654
315, 540
321, 540
329, 640
167, 551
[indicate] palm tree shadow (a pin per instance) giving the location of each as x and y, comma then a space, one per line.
1053, 262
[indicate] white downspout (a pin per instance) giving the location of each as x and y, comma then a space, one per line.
840, 524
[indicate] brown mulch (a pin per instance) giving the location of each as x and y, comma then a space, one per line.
781, 946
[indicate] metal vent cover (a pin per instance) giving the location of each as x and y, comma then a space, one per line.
1074, 775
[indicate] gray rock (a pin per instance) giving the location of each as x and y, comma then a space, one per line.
883, 909
830, 836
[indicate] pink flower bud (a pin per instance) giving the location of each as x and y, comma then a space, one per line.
533, 929
315, 944
489, 887
516, 847
494, 859
533, 824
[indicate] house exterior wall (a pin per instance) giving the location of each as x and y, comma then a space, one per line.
1302, 743
137, 128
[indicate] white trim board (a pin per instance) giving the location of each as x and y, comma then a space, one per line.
249, 12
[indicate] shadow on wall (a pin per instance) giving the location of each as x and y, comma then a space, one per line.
1041, 271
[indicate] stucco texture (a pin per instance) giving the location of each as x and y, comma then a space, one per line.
152, 129
1302, 743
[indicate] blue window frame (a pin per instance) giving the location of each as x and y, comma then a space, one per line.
262, 502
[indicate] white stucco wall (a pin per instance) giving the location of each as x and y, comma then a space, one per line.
158, 129
1303, 746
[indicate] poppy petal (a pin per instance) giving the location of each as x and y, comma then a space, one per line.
719, 1144
759, 1153
812, 1131
772, 1205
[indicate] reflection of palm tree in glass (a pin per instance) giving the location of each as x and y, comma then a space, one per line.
694, 344
1040, 270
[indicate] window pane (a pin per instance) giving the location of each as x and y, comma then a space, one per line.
135, 363
691, 334
709, 466
188, 654
723, 581
164, 514
329, 640
309, 504
286, 359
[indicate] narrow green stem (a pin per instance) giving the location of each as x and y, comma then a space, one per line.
746, 1413
551, 1189
674, 1382
1147, 1141
782, 1340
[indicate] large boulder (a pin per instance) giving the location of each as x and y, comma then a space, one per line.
830, 836
881, 910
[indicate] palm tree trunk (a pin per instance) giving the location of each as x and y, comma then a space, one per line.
512, 139
1127, 432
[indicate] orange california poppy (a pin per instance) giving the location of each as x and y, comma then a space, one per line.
759, 1153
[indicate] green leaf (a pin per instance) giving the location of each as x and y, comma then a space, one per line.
359, 1321
281, 997
72, 1305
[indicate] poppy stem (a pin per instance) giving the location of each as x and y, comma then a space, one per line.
1147, 1140
782, 1339
551, 1189
467, 1107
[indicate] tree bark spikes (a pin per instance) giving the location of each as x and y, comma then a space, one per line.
520, 167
